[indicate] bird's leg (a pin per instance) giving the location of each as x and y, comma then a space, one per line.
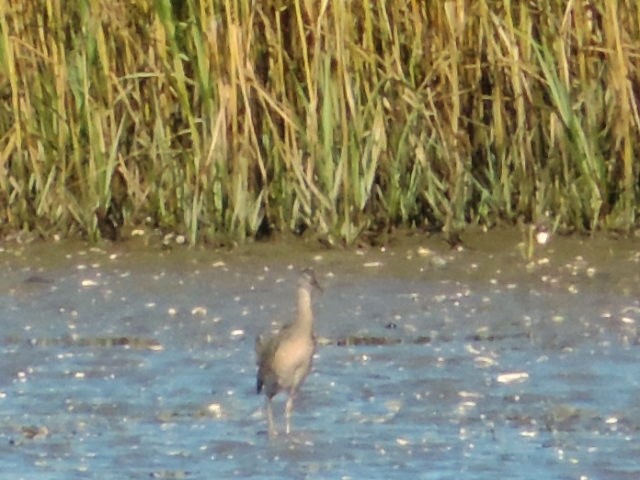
287, 411
272, 428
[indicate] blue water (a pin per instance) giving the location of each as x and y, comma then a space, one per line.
519, 379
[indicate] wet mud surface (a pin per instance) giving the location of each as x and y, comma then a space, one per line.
125, 362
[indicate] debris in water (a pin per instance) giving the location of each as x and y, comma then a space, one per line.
372, 264
33, 432
512, 377
237, 333
484, 362
215, 409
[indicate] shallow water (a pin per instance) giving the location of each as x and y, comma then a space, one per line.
125, 362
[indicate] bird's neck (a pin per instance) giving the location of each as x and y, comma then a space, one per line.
305, 315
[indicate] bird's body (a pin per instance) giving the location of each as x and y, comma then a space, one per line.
284, 360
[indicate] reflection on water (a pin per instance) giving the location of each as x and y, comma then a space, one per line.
125, 363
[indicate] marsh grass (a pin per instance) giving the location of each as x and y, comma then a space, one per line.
236, 119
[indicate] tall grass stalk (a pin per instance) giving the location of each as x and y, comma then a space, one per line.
236, 119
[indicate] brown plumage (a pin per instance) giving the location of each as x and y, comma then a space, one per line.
284, 359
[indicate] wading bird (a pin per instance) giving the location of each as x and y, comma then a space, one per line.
284, 359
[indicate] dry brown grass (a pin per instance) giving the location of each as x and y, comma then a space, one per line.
238, 118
